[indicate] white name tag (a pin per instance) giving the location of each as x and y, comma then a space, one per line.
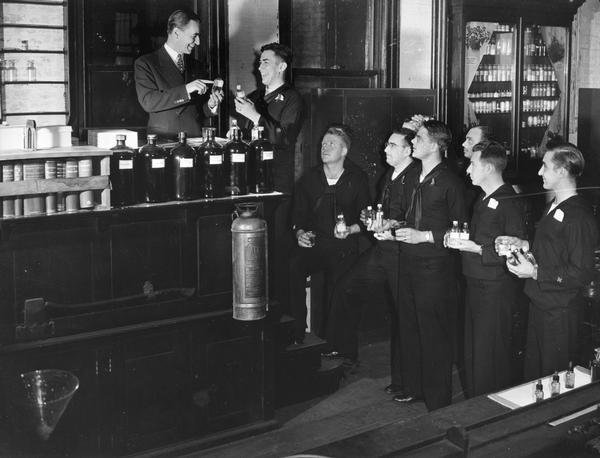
158, 163
238, 158
186, 162
559, 215
215, 160
267, 155
126, 164
493, 204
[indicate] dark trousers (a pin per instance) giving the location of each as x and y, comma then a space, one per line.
427, 298
376, 268
334, 258
488, 328
552, 338
280, 247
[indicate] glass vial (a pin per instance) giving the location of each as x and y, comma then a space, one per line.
31, 76
555, 385
570, 376
10, 71
539, 391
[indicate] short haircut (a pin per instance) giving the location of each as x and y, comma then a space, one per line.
439, 133
342, 131
407, 133
282, 51
567, 156
486, 132
180, 18
492, 153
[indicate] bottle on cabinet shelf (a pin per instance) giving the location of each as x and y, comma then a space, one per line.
260, 164
539, 391
236, 158
10, 71
182, 171
151, 164
31, 72
211, 171
122, 175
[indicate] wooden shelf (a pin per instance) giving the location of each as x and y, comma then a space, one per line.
53, 153
32, 51
34, 82
33, 2
31, 113
34, 26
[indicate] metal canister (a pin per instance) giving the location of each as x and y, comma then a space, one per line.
249, 254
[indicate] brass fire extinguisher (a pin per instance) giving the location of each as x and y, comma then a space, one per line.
249, 256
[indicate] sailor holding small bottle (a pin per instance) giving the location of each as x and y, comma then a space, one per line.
561, 265
491, 292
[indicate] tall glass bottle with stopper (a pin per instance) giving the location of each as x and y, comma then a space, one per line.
211, 172
260, 164
122, 175
151, 163
181, 170
236, 157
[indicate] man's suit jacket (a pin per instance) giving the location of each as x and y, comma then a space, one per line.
161, 92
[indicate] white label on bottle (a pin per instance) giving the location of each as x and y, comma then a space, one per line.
186, 162
158, 163
126, 164
215, 159
267, 155
238, 158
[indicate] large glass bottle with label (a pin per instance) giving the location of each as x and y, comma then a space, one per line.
211, 172
151, 169
122, 177
182, 171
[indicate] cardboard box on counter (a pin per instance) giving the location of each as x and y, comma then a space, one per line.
107, 138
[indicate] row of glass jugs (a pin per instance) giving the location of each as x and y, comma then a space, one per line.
210, 170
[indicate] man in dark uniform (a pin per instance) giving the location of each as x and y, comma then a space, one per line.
167, 87
562, 264
378, 266
337, 187
491, 290
277, 106
427, 282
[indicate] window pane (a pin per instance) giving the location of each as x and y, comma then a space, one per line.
416, 40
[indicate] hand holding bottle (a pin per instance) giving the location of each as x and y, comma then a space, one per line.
247, 109
462, 244
506, 244
306, 239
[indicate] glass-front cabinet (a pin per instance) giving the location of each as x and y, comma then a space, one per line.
518, 92
490, 61
509, 71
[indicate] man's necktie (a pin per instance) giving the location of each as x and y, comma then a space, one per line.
180, 64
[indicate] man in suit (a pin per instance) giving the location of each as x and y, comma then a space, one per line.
166, 83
